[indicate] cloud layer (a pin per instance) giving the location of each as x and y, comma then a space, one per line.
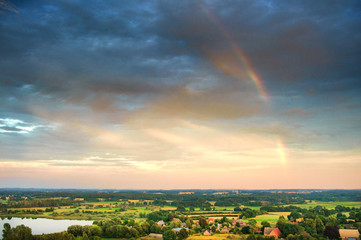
145, 88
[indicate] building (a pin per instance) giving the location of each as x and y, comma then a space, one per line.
175, 220
161, 223
155, 235
176, 230
272, 232
207, 233
349, 234
225, 230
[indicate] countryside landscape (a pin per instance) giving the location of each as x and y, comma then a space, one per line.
180, 119
189, 214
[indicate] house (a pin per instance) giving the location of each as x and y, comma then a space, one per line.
207, 233
175, 220
155, 235
161, 223
272, 232
210, 220
349, 234
225, 230
176, 230
241, 223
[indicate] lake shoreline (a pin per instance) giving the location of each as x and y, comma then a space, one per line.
37, 225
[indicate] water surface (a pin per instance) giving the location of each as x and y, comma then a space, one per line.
43, 225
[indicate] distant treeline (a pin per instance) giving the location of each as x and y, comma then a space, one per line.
250, 198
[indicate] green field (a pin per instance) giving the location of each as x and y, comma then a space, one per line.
201, 237
101, 210
272, 217
328, 205
216, 237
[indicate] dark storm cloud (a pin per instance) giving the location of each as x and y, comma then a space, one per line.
10, 129
173, 58
7, 6
285, 40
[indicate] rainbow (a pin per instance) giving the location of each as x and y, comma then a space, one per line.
239, 53
282, 151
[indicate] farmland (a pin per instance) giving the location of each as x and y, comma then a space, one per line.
328, 205
139, 211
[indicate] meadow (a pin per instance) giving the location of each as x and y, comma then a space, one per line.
328, 205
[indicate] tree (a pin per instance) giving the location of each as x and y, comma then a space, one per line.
288, 228
252, 226
310, 226
169, 235
245, 230
85, 236
332, 232
57, 236
305, 236
125, 233
155, 228
145, 227
293, 216
237, 209
203, 222
189, 223
92, 230
320, 227
331, 221
291, 237
265, 224
134, 232
183, 234
7, 231
20, 232
281, 221
171, 216
76, 230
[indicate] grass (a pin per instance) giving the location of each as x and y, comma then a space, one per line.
328, 205
113, 238
215, 237
65, 212
272, 217
201, 237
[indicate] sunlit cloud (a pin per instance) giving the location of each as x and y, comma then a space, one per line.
8, 125
187, 94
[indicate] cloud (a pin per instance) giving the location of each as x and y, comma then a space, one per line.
8, 125
168, 85
7, 6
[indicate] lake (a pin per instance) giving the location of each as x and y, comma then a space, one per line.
43, 225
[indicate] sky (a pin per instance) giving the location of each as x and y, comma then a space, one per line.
192, 94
